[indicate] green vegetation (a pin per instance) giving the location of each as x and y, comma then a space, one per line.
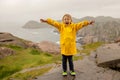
35, 52
8, 70
77, 57
14, 47
24, 58
29, 75
90, 47
87, 50
30, 57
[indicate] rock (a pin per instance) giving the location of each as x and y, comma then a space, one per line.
93, 56
6, 52
45, 46
33, 45
118, 65
48, 46
7, 38
117, 40
108, 55
89, 39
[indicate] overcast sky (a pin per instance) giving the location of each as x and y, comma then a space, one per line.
21, 11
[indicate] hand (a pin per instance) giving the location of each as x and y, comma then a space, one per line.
42, 20
91, 22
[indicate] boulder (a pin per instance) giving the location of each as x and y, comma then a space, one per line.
117, 40
108, 55
33, 45
6, 52
89, 39
7, 38
48, 46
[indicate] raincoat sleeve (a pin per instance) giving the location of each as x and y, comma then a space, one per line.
54, 23
81, 24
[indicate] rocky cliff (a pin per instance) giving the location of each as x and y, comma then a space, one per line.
7, 38
105, 29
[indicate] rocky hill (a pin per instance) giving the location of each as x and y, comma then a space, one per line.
7, 39
105, 29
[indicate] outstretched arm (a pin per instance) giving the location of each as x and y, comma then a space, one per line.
51, 22
83, 24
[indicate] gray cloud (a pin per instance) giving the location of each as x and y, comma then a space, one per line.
23, 10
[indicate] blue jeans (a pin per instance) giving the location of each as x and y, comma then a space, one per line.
64, 63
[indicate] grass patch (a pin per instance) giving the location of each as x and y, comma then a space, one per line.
47, 54
87, 50
29, 75
90, 47
35, 52
8, 70
78, 58
25, 58
14, 47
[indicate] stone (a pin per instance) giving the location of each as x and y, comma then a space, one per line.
47, 46
117, 40
6, 52
108, 55
8, 39
88, 39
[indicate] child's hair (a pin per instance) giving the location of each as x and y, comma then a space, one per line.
68, 15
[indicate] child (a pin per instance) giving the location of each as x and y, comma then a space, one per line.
67, 31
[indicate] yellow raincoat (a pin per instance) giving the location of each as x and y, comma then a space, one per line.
67, 35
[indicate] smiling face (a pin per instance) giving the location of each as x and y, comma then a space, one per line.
67, 19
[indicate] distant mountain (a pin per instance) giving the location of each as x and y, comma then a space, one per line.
35, 25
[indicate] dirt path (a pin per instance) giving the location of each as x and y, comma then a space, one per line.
86, 69
35, 68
